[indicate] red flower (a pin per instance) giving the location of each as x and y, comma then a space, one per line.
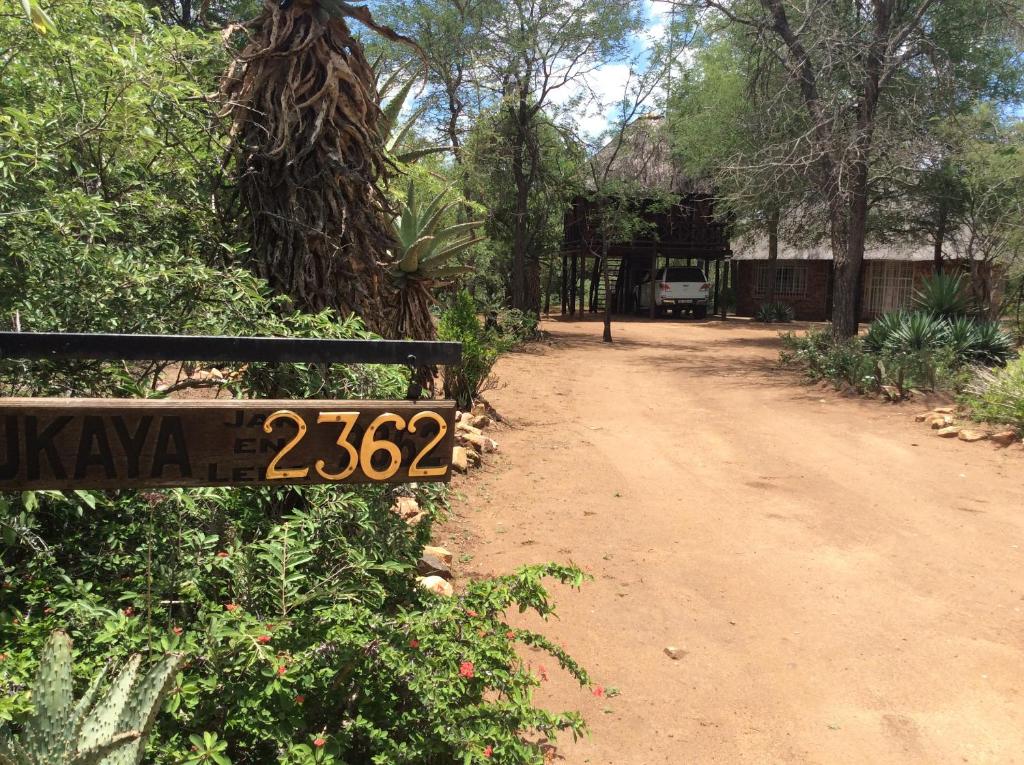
300, 699
471, 612
3, 657
510, 635
128, 611
488, 751
598, 691
177, 630
282, 669
231, 607
414, 643
263, 639
319, 742
223, 554
466, 669
543, 672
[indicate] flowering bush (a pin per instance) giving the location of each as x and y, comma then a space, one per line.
307, 638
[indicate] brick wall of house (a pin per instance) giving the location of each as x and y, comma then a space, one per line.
811, 306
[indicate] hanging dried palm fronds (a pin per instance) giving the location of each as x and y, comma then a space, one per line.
310, 159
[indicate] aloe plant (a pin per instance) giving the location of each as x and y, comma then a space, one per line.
95, 730
426, 249
393, 133
427, 246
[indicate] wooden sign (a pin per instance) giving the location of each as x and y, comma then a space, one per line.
117, 444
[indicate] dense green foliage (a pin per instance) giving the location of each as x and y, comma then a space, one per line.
306, 636
930, 347
998, 395
481, 346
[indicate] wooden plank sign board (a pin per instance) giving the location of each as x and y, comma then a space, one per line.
117, 444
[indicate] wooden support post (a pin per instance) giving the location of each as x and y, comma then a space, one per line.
654, 283
718, 284
572, 285
595, 284
564, 296
583, 283
726, 272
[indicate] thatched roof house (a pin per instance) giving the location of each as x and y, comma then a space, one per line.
803, 277
678, 212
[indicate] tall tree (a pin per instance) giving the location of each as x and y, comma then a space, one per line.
619, 202
449, 35
489, 156
721, 132
535, 50
862, 69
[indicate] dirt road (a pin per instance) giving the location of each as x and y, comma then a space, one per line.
847, 587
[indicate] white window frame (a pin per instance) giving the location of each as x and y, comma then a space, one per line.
790, 280
888, 286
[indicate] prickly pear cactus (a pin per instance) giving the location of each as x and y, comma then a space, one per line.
107, 730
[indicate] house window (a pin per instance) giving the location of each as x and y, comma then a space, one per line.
888, 286
790, 280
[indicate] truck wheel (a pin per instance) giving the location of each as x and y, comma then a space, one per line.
700, 312
677, 312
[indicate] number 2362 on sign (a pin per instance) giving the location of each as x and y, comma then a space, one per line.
110, 444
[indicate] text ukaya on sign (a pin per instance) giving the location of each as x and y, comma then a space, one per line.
115, 444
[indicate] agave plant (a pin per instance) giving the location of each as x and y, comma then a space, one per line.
992, 345
882, 329
944, 296
919, 332
770, 313
962, 337
426, 249
111, 730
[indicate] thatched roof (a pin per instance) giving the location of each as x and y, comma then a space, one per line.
645, 158
908, 252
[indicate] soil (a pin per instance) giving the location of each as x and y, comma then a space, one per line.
843, 586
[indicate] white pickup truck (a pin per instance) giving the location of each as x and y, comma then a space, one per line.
679, 288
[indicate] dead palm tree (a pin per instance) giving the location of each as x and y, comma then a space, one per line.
310, 160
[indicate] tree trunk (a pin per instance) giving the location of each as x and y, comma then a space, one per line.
524, 272
940, 235
547, 291
310, 163
844, 279
607, 337
773, 253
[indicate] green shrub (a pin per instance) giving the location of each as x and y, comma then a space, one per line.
852, 362
998, 395
481, 347
518, 326
772, 313
300, 617
824, 359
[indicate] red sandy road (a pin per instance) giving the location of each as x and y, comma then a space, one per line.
849, 588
